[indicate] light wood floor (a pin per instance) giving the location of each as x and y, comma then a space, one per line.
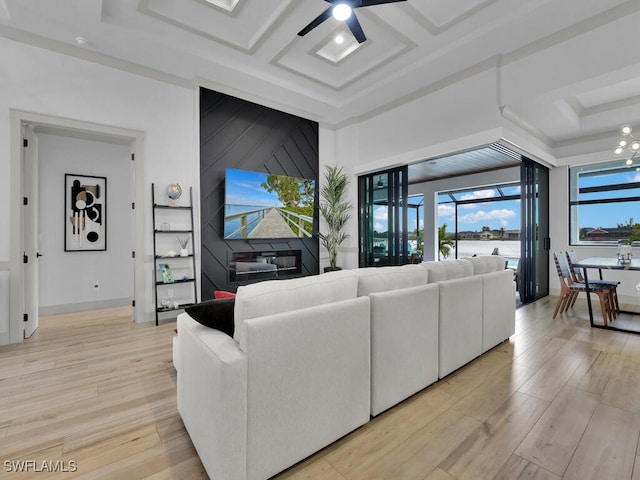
559, 400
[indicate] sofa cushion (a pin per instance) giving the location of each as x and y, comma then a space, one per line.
383, 279
216, 314
480, 265
279, 296
448, 270
487, 264
495, 263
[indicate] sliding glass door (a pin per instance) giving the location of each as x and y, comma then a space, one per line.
382, 217
535, 242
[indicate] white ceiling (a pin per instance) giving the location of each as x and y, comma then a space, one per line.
578, 88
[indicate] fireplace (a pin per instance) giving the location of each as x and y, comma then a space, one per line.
252, 266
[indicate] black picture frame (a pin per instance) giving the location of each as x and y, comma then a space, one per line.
85, 207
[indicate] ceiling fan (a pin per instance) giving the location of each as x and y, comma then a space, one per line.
343, 10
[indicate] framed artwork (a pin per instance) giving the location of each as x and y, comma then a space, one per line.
85, 213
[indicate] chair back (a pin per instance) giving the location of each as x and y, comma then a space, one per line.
572, 259
562, 267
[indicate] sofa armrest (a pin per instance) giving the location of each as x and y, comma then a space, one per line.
212, 397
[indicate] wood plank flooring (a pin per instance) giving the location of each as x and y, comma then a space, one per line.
94, 393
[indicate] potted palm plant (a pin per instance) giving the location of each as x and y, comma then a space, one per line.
335, 210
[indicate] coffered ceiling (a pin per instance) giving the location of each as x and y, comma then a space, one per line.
576, 79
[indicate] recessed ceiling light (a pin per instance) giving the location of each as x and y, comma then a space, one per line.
338, 46
227, 5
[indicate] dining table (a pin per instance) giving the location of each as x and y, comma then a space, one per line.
606, 263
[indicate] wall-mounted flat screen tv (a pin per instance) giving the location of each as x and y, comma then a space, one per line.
265, 206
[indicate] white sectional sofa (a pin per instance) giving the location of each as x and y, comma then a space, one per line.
312, 358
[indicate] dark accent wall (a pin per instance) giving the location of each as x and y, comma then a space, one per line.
235, 133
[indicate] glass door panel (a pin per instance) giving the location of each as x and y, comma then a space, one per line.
382, 213
535, 242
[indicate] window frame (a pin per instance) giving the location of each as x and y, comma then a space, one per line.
574, 192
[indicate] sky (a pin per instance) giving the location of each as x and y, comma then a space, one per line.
496, 215
501, 214
243, 188
610, 215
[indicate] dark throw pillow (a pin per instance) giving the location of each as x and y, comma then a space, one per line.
216, 314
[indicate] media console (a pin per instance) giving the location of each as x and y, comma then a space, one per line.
247, 267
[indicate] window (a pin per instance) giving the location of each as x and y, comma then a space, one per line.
480, 221
603, 199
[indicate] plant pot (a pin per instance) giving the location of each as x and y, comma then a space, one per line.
332, 269
184, 252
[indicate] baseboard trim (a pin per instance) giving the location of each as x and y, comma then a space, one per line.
81, 307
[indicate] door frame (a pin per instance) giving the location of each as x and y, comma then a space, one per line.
135, 138
30, 215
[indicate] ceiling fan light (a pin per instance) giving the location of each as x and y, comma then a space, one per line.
618, 151
341, 11
626, 129
635, 146
622, 142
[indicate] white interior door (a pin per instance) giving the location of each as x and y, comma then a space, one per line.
30, 230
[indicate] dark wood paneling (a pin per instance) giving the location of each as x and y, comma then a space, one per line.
238, 134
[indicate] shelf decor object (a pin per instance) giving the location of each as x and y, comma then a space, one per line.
85, 213
175, 287
183, 241
165, 270
174, 192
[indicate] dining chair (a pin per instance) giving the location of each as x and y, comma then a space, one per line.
576, 274
569, 290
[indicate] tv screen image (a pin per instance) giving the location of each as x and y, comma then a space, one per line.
263, 205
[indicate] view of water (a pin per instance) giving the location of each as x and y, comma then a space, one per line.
506, 248
231, 226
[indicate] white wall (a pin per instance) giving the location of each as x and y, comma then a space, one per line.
447, 120
43, 82
67, 279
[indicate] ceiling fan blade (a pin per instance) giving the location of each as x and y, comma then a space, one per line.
318, 20
354, 25
369, 3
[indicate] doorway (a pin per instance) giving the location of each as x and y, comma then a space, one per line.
27, 244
